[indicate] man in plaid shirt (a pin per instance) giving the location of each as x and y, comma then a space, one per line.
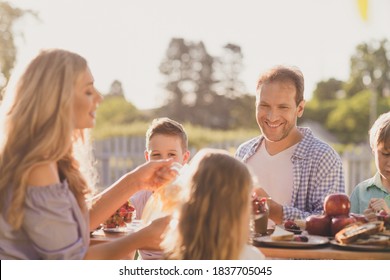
292, 166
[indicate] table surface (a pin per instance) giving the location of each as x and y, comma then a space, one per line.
325, 252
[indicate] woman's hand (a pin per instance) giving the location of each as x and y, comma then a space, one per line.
150, 176
153, 233
154, 174
148, 238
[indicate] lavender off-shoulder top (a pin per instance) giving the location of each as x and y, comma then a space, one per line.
54, 227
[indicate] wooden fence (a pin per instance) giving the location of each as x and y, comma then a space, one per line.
358, 166
118, 155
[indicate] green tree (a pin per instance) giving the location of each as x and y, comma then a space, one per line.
116, 89
243, 112
205, 90
116, 110
329, 90
227, 73
350, 119
319, 110
8, 17
346, 108
188, 71
370, 66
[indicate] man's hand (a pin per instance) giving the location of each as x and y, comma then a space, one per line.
260, 192
275, 209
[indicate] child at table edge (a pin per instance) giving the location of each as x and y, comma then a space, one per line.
165, 138
373, 195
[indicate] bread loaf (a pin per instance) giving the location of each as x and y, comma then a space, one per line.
374, 239
354, 232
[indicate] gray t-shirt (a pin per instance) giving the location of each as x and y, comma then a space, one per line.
54, 227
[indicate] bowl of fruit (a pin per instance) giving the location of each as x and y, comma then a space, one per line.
119, 220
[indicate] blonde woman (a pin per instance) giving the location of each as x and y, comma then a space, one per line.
213, 224
43, 193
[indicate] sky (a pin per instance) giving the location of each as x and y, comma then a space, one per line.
126, 40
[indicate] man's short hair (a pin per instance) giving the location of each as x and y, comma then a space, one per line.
282, 73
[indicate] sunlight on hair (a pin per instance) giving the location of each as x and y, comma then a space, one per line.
83, 153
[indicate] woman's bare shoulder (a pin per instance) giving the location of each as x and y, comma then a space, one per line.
43, 175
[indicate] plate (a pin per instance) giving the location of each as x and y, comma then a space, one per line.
313, 241
118, 230
135, 225
357, 247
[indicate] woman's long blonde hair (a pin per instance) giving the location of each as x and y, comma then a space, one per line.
214, 223
38, 128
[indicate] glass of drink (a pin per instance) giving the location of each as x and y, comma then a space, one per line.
260, 215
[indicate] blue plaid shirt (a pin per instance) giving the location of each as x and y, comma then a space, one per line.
317, 170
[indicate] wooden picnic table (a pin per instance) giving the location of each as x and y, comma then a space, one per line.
323, 252
326, 252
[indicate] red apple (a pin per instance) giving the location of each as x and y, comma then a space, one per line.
340, 222
359, 217
289, 224
337, 204
318, 225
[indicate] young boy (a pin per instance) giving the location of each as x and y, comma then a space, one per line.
373, 195
165, 138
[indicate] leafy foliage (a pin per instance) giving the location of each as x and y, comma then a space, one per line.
370, 65
202, 100
344, 108
8, 16
116, 110
328, 90
202, 89
349, 120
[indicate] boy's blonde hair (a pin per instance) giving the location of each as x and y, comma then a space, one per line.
166, 126
37, 128
211, 224
380, 131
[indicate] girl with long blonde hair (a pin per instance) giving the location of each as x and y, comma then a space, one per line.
213, 224
43, 194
